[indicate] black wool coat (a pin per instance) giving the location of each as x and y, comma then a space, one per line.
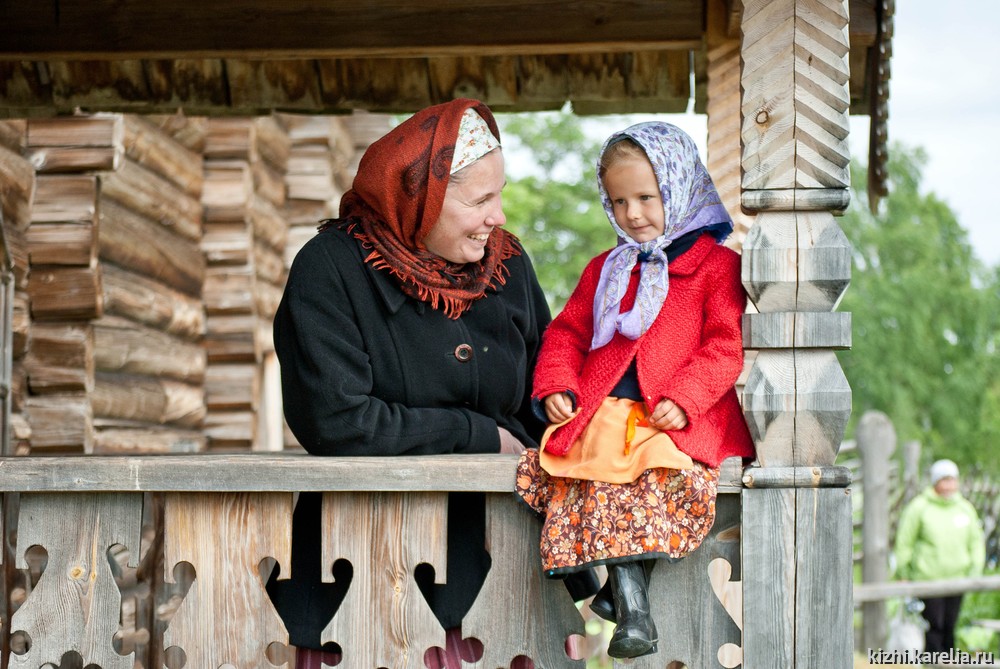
367, 370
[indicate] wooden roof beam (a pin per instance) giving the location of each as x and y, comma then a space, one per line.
132, 29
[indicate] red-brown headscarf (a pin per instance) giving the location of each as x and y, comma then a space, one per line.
396, 199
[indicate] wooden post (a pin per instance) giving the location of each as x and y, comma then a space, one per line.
911, 470
876, 439
796, 540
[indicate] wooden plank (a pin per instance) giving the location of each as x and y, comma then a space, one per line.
245, 529
142, 245
269, 28
76, 604
232, 386
870, 592
385, 535
13, 134
797, 477
98, 130
60, 358
269, 226
71, 293
694, 597
153, 148
154, 197
283, 472
769, 552
117, 437
378, 84
64, 221
190, 131
796, 100
823, 547
233, 338
151, 303
273, 84
876, 442
797, 329
70, 159
122, 345
148, 399
59, 423
227, 244
228, 190
539, 611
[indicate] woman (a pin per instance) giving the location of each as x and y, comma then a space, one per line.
409, 326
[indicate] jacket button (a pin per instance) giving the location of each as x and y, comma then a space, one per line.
463, 353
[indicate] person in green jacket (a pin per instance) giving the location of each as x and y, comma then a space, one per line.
939, 537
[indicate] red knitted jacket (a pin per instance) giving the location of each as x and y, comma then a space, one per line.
692, 354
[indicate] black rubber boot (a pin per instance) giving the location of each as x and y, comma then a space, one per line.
603, 603
635, 633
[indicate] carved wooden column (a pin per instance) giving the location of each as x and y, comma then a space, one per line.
796, 266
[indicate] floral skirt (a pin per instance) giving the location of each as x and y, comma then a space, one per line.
663, 513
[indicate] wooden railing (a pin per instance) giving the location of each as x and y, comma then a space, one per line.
226, 515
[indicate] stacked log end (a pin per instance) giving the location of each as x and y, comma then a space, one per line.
245, 237
17, 188
115, 362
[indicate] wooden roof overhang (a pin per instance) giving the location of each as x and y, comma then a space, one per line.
248, 57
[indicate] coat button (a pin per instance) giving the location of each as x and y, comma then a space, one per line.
463, 353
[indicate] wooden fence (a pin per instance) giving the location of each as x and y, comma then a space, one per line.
884, 482
99, 588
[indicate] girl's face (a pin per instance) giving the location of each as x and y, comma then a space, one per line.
472, 209
635, 198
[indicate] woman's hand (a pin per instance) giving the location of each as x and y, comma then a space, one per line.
559, 407
509, 443
668, 416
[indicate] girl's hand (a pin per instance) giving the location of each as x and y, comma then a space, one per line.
559, 407
668, 416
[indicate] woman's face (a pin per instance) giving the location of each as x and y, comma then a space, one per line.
472, 209
635, 198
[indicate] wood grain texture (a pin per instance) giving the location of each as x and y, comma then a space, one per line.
151, 303
122, 345
76, 603
876, 443
224, 537
692, 620
155, 198
60, 358
796, 99
797, 404
823, 578
538, 612
797, 329
139, 243
768, 570
796, 262
273, 29
384, 536
286, 472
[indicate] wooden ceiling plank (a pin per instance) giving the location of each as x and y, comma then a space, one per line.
336, 28
290, 85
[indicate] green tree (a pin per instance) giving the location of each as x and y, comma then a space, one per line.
926, 317
554, 206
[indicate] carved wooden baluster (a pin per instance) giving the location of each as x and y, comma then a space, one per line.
796, 267
76, 605
384, 620
537, 614
226, 616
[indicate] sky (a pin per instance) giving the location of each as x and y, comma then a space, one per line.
944, 95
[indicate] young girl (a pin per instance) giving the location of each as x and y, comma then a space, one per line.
636, 377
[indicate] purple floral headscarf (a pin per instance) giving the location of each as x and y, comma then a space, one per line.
690, 202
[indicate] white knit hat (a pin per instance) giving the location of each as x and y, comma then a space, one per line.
943, 469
